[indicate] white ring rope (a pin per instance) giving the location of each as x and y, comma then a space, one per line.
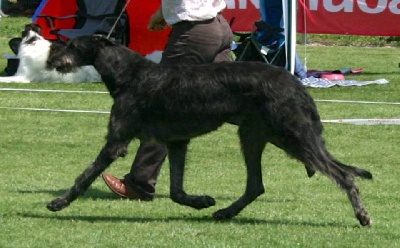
360, 102
105, 92
340, 121
54, 91
58, 110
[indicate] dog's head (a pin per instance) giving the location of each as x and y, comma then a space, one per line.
30, 37
78, 52
31, 27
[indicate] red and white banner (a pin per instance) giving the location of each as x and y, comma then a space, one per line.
242, 14
354, 17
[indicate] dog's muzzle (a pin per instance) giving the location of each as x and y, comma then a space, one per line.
62, 66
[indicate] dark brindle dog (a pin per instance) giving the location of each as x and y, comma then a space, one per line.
175, 104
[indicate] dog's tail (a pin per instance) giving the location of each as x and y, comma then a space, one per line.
353, 170
321, 160
315, 157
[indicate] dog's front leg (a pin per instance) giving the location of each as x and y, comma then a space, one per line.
108, 154
177, 155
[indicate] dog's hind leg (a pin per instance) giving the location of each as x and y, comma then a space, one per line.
345, 180
314, 154
343, 175
110, 152
253, 142
177, 155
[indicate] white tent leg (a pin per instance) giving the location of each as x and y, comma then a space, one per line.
289, 17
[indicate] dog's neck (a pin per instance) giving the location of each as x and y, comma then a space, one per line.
130, 73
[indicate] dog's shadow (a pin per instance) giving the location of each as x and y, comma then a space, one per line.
96, 194
202, 219
93, 194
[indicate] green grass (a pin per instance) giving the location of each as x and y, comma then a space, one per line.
42, 153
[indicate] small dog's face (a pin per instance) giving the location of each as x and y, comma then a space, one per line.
78, 52
31, 27
31, 37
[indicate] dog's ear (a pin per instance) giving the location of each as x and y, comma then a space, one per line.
102, 40
37, 28
31, 27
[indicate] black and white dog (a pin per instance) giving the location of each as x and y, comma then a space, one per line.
173, 104
33, 53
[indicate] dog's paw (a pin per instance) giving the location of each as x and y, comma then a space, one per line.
194, 201
204, 201
208, 201
57, 204
364, 219
310, 171
224, 214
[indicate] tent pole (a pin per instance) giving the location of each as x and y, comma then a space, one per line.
289, 15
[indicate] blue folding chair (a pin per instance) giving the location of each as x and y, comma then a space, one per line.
94, 17
266, 42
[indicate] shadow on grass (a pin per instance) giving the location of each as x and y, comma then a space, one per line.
204, 219
96, 194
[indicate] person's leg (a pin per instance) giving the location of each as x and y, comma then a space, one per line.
140, 182
146, 166
299, 69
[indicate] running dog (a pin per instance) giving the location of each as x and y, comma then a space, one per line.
33, 53
173, 104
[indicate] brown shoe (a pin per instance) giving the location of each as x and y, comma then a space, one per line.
119, 187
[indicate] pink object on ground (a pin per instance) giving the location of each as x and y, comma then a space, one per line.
333, 76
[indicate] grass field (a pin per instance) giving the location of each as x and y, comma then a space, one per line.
42, 152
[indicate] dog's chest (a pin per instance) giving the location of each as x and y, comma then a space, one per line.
35, 54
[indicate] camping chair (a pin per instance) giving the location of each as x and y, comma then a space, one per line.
94, 17
266, 42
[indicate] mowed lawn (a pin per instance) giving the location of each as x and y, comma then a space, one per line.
43, 151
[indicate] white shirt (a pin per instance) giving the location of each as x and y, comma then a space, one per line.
175, 11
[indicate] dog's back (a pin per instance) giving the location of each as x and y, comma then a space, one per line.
223, 92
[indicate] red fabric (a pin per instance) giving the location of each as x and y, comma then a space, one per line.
142, 40
139, 11
242, 19
56, 8
355, 17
